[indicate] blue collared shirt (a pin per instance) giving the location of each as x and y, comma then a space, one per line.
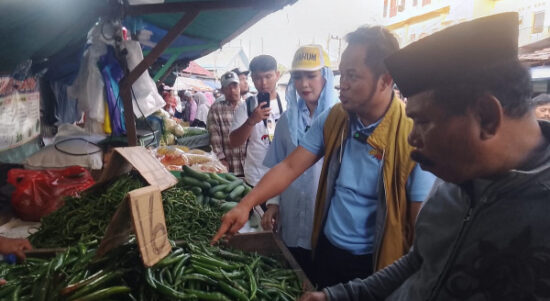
351, 218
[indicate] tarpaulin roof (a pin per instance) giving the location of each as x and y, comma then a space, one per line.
184, 83
38, 29
197, 69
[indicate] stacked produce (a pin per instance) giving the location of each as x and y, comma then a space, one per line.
85, 219
211, 188
194, 270
191, 272
174, 128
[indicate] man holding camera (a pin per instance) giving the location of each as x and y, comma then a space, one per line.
255, 118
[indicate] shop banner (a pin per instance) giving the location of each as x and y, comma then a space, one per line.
19, 111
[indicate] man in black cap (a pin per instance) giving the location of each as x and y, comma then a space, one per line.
243, 83
482, 234
542, 106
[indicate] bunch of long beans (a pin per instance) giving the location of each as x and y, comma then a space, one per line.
190, 272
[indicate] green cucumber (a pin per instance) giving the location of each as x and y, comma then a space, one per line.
225, 207
233, 185
199, 199
213, 182
237, 192
230, 177
196, 190
194, 182
217, 188
195, 174
220, 195
221, 180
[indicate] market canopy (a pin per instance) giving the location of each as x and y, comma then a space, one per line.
40, 29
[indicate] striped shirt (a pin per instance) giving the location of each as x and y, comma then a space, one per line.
220, 118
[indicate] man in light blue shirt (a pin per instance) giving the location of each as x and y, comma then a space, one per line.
370, 191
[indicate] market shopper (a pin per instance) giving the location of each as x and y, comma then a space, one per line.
243, 83
310, 92
542, 106
15, 246
220, 118
483, 234
369, 190
190, 110
202, 110
254, 125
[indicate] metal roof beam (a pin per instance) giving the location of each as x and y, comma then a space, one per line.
174, 7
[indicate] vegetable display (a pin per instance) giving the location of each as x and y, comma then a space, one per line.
190, 272
211, 188
85, 219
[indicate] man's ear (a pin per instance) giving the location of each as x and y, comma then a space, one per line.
490, 114
385, 81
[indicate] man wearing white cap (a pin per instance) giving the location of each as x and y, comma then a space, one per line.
220, 118
370, 190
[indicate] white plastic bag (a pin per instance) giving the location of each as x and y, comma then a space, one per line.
145, 90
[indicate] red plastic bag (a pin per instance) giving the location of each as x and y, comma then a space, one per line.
40, 192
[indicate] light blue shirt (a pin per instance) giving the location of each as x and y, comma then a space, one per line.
351, 218
297, 202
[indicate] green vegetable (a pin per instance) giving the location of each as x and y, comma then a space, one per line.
217, 188
233, 185
237, 192
195, 174
106, 292
225, 207
220, 180
194, 182
196, 190
220, 195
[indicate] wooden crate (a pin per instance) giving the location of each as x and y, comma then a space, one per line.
269, 244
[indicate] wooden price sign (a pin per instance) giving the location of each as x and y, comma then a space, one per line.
124, 158
149, 225
144, 207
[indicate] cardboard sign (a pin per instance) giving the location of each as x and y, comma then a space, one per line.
144, 207
149, 225
143, 161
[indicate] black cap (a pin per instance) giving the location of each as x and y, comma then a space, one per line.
239, 72
455, 54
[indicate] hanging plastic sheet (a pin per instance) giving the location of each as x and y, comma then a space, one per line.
112, 73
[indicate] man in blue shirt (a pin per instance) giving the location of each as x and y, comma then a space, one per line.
370, 191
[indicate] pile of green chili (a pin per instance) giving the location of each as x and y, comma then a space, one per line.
190, 272
85, 219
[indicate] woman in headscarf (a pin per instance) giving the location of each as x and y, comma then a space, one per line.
190, 106
310, 91
202, 109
